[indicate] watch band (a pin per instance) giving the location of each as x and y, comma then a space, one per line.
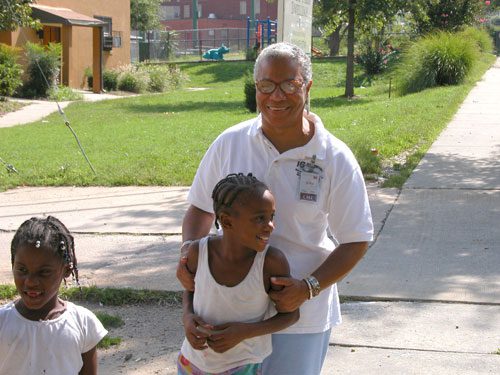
313, 285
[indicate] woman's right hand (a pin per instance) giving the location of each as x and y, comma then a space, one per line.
185, 277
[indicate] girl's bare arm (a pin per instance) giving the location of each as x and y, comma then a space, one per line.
89, 362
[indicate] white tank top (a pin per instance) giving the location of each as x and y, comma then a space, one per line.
246, 302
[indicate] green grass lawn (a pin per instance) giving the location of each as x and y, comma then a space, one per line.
159, 139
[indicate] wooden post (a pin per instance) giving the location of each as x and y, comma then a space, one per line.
65, 39
97, 36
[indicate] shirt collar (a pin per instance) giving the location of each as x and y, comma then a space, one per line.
316, 146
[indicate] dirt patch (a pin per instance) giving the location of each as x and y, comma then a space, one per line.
151, 339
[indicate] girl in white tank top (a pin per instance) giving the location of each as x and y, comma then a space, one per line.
229, 318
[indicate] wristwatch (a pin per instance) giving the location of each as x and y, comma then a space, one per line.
313, 285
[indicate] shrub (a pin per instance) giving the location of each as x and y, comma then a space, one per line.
175, 76
133, 81
440, 59
89, 77
10, 70
110, 80
251, 54
62, 93
158, 76
481, 37
375, 61
164, 77
157, 81
44, 65
168, 44
143, 77
250, 91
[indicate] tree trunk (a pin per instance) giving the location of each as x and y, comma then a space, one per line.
349, 81
334, 41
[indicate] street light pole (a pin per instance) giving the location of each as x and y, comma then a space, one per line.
252, 16
195, 23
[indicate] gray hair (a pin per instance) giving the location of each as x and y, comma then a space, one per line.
289, 51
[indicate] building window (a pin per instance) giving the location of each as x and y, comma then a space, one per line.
107, 30
243, 7
187, 11
170, 12
108, 27
257, 7
163, 13
117, 39
199, 10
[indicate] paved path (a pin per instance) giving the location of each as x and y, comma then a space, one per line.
38, 109
442, 239
432, 276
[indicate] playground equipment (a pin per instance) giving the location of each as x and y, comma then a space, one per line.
265, 32
216, 53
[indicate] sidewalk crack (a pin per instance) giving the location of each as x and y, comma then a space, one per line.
382, 347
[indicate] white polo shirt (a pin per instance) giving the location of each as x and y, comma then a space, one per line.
316, 186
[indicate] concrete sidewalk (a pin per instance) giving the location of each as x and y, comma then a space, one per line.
428, 290
35, 110
441, 242
122, 229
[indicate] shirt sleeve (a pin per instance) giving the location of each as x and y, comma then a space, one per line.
208, 174
94, 331
350, 217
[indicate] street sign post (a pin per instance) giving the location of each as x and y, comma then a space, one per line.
295, 22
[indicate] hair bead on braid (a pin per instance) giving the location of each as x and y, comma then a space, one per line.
229, 188
50, 233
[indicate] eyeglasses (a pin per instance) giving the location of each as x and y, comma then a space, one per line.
289, 87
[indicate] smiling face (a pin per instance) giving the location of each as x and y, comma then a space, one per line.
38, 273
252, 218
278, 109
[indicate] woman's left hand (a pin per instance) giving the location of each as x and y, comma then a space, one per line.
292, 295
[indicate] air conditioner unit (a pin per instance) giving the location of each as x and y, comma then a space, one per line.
107, 44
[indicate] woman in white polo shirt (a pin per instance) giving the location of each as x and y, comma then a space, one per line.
318, 186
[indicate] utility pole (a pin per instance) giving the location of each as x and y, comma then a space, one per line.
252, 17
195, 23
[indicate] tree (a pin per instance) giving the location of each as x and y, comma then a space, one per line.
145, 14
359, 15
16, 13
449, 15
349, 85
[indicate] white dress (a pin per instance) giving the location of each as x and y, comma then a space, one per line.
51, 347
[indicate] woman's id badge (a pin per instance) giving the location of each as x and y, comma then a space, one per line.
309, 175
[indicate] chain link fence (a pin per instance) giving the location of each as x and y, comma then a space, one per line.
189, 44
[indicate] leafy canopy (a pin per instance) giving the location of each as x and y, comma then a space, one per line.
16, 13
145, 14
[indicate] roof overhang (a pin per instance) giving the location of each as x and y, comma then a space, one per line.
63, 16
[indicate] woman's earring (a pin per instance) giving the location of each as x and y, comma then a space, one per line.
308, 104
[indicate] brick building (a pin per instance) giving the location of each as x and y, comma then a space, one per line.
215, 14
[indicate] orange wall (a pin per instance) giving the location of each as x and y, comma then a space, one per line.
80, 42
77, 40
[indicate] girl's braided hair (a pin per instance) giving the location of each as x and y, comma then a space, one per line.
229, 188
50, 233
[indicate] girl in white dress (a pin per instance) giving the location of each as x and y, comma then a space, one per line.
229, 318
40, 333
